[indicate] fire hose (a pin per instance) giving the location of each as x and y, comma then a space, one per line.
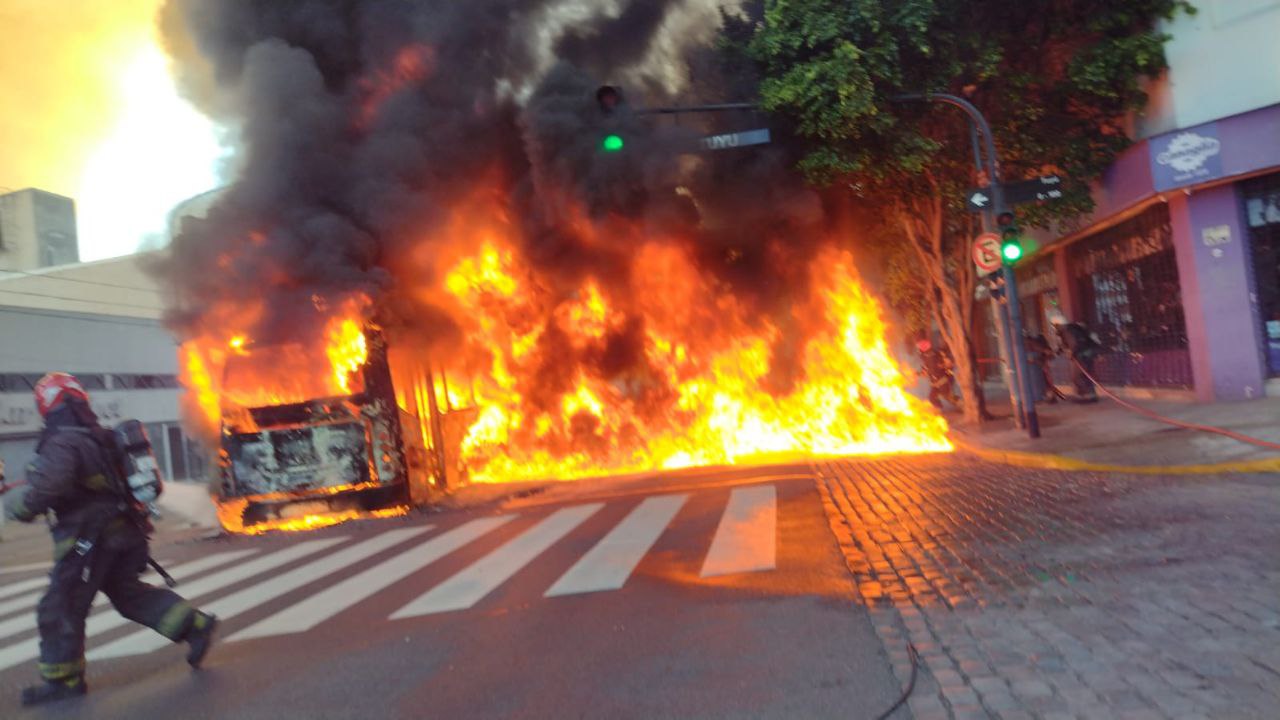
164, 575
1170, 421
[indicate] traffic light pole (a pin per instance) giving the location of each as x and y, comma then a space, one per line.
1017, 349
1011, 379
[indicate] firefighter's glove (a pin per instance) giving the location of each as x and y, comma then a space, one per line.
15, 507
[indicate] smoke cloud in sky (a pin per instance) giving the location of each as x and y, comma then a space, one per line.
91, 113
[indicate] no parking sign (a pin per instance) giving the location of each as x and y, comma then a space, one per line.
986, 253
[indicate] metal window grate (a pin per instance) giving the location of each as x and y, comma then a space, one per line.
1126, 278
144, 382
26, 382
1262, 220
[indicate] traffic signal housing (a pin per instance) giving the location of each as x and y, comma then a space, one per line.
608, 98
1010, 238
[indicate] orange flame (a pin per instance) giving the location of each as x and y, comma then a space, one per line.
230, 515
714, 390
347, 351
225, 374
536, 388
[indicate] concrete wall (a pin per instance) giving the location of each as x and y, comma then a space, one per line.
1224, 60
36, 341
1232, 327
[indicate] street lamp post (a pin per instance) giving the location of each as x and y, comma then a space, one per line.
1022, 379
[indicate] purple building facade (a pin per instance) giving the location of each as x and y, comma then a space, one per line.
1178, 269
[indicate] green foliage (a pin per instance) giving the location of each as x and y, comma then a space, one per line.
1056, 78
905, 291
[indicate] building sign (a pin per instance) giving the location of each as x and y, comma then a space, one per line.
1186, 157
18, 414
1215, 237
1125, 250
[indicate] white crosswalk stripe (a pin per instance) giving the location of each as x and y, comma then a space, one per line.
327, 603
485, 575
608, 565
28, 649
259, 593
23, 586
25, 568
746, 540
27, 621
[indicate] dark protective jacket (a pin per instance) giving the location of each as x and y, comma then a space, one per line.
78, 477
937, 363
1078, 341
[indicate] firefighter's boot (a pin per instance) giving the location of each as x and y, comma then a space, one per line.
54, 690
200, 637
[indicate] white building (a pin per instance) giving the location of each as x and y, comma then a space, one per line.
101, 322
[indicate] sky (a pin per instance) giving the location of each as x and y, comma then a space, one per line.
91, 112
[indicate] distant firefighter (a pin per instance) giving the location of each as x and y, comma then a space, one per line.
938, 366
1083, 349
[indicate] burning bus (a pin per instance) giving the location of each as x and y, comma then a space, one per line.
305, 442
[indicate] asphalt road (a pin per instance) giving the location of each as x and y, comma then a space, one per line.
692, 595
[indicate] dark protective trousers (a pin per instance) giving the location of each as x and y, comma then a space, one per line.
943, 389
1084, 386
112, 566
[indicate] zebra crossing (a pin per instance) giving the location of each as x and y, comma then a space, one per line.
234, 582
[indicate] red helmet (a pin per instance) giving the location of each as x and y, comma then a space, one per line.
54, 388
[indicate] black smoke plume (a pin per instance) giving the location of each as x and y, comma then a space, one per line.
361, 123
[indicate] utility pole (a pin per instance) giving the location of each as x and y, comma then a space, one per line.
1017, 349
987, 219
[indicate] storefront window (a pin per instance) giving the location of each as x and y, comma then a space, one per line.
1126, 278
1262, 214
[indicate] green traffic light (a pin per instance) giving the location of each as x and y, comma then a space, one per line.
612, 143
1012, 251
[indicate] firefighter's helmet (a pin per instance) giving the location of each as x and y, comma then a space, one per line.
55, 389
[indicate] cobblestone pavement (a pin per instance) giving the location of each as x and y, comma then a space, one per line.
1046, 594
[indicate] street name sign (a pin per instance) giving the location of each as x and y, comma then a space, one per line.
1045, 187
729, 141
986, 253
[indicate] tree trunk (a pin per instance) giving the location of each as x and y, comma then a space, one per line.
922, 222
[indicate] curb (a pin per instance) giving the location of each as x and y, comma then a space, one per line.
1061, 462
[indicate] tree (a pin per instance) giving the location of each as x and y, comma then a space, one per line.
1057, 79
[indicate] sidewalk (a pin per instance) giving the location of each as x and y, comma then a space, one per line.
1107, 433
1051, 595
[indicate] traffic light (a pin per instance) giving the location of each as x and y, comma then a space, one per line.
1010, 238
608, 98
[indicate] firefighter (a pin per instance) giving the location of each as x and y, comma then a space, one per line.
1082, 348
1039, 353
937, 366
100, 542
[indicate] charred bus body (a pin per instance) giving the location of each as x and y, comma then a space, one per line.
306, 449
